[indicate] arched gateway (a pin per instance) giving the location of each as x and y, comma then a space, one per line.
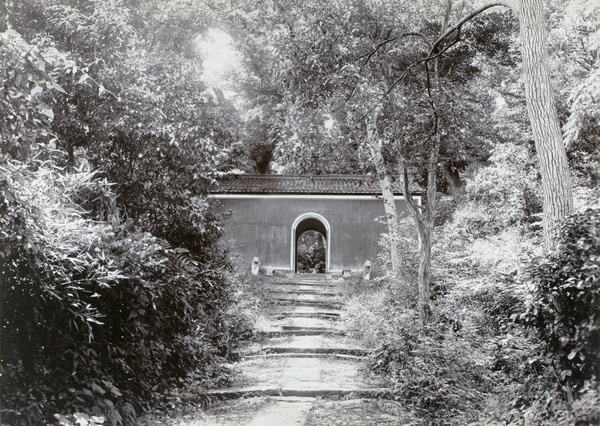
309, 222
271, 212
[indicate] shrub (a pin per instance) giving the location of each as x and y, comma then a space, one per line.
565, 311
503, 194
98, 317
438, 375
312, 260
376, 316
408, 246
442, 376
53, 266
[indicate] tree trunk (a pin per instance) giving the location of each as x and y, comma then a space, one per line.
423, 217
551, 153
427, 233
387, 192
425, 239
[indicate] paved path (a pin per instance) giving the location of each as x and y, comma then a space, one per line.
306, 371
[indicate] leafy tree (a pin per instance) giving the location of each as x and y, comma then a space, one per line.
573, 44
30, 72
262, 93
97, 315
140, 112
550, 148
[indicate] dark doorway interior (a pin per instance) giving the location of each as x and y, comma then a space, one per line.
311, 253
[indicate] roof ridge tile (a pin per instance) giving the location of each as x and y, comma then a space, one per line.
299, 184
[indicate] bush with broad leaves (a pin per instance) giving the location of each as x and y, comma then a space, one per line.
565, 311
97, 317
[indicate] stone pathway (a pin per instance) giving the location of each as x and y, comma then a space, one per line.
306, 371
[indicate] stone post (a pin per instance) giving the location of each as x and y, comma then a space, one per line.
367, 270
255, 266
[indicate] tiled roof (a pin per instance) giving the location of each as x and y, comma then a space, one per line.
295, 184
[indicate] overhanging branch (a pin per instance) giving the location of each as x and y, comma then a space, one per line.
459, 24
455, 28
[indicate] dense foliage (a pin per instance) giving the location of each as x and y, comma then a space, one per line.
96, 315
506, 333
325, 66
565, 310
114, 288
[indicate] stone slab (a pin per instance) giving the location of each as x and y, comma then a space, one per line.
309, 322
303, 297
304, 342
316, 342
303, 372
323, 344
307, 311
321, 303
283, 413
300, 332
314, 360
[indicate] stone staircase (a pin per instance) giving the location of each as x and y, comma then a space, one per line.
305, 352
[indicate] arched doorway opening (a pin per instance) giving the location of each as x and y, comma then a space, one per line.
311, 253
310, 228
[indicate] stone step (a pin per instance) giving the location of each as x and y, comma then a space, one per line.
300, 276
310, 283
300, 328
310, 342
314, 391
303, 326
295, 411
302, 296
324, 284
317, 323
320, 351
306, 355
300, 290
308, 300
306, 312
329, 315
307, 296
322, 344
302, 332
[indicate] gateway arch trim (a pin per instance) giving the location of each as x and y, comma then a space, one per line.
294, 238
